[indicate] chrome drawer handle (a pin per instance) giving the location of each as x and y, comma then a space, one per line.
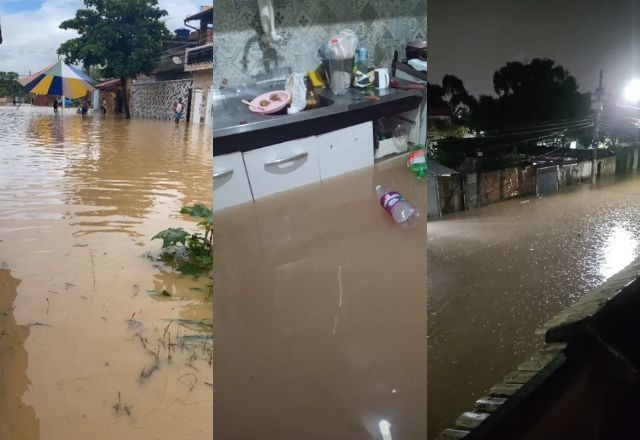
222, 173
288, 159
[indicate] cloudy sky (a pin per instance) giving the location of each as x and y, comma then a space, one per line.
31, 34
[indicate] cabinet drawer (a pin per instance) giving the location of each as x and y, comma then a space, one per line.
230, 182
345, 150
282, 166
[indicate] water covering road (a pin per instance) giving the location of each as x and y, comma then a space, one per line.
495, 273
88, 349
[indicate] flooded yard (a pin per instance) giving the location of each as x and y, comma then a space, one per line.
89, 346
497, 273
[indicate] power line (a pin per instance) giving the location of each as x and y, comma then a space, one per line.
579, 124
550, 135
536, 138
539, 125
537, 131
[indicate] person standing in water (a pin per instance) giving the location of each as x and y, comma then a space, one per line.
103, 107
178, 108
85, 107
55, 104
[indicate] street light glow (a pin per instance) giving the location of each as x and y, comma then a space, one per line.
385, 426
632, 91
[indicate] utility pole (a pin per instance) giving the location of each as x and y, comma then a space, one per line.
597, 108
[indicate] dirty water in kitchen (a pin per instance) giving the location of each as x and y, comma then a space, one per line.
321, 312
88, 348
496, 273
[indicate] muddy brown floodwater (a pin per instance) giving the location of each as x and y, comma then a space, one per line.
320, 316
496, 273
87, 348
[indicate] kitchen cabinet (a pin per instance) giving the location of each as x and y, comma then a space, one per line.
230, 182
282, 166
345, 150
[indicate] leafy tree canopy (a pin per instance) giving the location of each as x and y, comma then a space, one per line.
122, 36
9, 85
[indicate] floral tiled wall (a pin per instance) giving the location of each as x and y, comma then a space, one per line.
155, 99
239, 54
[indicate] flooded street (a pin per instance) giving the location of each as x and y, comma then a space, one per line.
320, 313
496, 273
89, 348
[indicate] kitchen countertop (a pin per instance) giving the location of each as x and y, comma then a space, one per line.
236, 128
320, 312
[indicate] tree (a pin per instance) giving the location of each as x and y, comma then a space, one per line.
9, 85
452, 95
123, 37
531, 93
435, 96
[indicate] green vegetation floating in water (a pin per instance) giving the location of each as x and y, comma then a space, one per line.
192, 253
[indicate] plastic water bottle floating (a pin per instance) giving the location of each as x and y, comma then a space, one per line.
396, 205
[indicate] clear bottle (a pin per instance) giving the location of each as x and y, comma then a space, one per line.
396, 205
362, 60
312, 98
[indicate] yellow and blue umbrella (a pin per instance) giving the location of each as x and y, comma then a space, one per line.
59, 79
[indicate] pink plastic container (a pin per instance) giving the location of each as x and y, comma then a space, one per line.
274, 106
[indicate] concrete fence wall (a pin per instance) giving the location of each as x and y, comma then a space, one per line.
449, 194
606, 166
433, 204
471, 190
627, 159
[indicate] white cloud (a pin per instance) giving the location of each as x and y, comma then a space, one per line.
31, 38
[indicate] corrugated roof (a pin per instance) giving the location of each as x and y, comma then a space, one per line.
437, 169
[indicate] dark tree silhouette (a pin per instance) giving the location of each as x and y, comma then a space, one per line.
531, 93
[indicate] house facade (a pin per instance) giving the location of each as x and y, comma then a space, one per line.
184, 71
199, 62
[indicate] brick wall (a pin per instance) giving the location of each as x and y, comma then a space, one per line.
527, 181
510, 183
490, 187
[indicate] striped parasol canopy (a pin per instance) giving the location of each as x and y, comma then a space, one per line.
59, 79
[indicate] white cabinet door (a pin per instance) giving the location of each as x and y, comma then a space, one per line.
230, 183
282, 166
345, 150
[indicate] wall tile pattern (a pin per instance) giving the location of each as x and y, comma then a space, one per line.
381, 25
154, 100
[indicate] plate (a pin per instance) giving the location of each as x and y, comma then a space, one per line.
274, 106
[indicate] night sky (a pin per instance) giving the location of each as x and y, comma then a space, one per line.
473, 38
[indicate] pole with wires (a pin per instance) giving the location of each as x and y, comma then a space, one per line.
597, 108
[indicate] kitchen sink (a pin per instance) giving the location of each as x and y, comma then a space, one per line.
231, 105
324, 102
